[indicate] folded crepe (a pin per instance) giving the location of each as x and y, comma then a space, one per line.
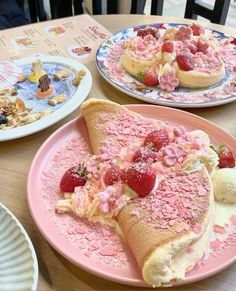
168, 230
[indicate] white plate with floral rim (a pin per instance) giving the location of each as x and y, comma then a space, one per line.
26, 91
220, 93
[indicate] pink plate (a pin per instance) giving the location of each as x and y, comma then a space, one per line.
84, 244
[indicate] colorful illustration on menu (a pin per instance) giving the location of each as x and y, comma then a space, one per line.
79, 51
55, 31
22, 42
40, 89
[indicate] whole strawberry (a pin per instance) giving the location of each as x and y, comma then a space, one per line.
141, 178
143, 32
185, 61
73, 177
197, 29
226, 158
157, 139
144, 154
167, 47
148, 77
113, 175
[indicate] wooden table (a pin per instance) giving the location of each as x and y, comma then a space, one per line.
55, 272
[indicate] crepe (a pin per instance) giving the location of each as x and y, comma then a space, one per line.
98, 114
165, 253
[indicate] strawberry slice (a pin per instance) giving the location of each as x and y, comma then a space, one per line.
157, 139
141, 178
144, 154
185, 61
197, 29
73, 177
148, 77
113, 175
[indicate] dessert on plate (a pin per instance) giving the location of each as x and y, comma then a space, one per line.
14, 112
38, 89
150, 180
184, 56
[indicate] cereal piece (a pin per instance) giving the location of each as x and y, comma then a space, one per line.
78, 77
61, 74
21, 78
57, 99
20, 105
8, 92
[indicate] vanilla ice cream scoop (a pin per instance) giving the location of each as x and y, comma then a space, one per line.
224, 185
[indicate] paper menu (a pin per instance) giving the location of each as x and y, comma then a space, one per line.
77, 37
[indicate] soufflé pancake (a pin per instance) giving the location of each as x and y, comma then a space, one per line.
191, 55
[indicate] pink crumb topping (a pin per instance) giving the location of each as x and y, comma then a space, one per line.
233, 220
183, 33
144, 47
206, 62
215, 244
219, 229
173, 154
175, 200
197, 228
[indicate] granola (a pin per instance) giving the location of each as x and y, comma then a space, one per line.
14, 113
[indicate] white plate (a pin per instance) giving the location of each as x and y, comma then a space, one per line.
77, 96
18, 261
181, 97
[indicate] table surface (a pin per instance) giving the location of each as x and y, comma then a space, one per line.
55, 272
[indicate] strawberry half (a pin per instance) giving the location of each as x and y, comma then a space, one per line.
157, 139
141, 178
185, 61
148, 77
73, 177
226, 158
